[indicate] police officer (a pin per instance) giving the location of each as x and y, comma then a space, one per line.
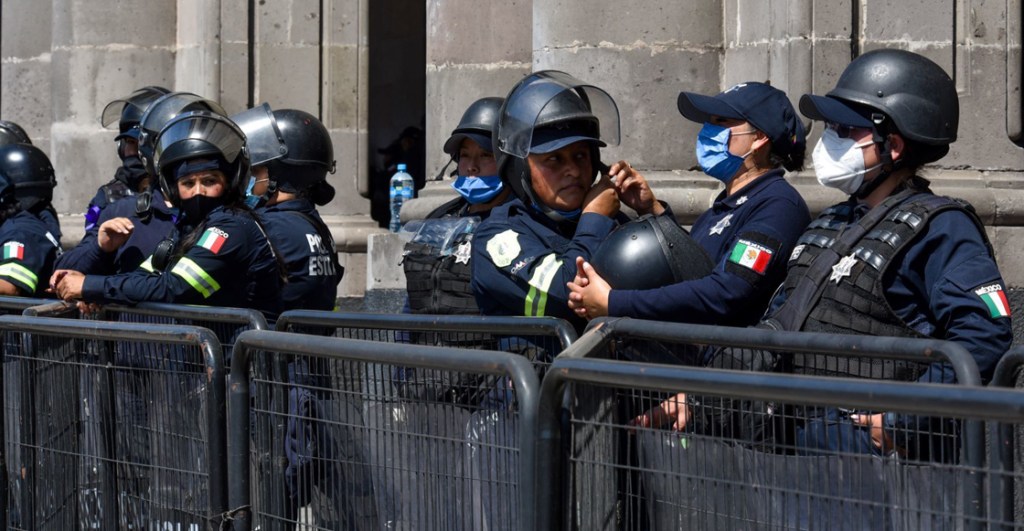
892, 260
223, 256
29, 248
750, 136
292, 154
548, 136
128, 230
438, 279
131, 177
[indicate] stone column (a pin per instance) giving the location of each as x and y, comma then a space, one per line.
198, 65
101, 51
474, 49
25, 53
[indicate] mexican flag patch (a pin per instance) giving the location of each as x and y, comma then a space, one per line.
751, 256
994, 298
14, 250
213, 239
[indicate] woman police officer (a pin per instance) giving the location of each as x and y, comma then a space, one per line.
750, 135
222, 256
438, 279
547, 140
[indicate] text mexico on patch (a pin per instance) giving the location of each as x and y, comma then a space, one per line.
213, 239
994, 298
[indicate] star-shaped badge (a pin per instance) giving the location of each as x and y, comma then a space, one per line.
463, 252
741, 200
721, 225
842, 269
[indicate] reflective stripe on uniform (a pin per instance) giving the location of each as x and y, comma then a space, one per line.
540, 283
20, 273
148, 264
196, 277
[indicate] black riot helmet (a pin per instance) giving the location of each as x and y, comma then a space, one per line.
31, 173
477, 124
650, 252
160, 112
127, 111
12, 133
204, 136
544, 112
894, 91
310, 156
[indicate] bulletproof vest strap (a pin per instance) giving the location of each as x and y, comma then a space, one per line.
116, 190
800, 301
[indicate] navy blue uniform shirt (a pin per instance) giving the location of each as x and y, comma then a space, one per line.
748, 236
230, 265
49, 217
29, 252
313, 275
87, 256
522, 260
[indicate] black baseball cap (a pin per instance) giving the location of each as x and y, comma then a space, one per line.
766, 108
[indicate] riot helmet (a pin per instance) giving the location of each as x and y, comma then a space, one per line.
544, 112
893, 91
12, 133
477, 124
31, 173
310, 156
209, 138
160, 112
263, 138
650, 252
128, 111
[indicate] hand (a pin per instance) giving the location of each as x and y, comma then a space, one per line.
673, 410
634, 190
588, 292
601, 198
113, 233
89, 308
879, 437
69, 284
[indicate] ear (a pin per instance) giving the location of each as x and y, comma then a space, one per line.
760, 140
896, 146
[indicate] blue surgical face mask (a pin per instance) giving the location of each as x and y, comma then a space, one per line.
713, 152
253, 201
571, 215
477, 190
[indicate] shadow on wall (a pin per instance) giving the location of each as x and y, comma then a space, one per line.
409, 149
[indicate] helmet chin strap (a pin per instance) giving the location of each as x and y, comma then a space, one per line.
885, 153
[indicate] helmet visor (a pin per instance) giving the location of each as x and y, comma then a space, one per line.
528, 100
161, 111
213, 130
140, 100
262, 136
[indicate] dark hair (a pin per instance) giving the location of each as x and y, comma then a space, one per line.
790, 161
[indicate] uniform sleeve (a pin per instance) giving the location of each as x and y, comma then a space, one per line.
953, 271
26, 254
87, 257
192, 279
515, 272
93, 211
737, 291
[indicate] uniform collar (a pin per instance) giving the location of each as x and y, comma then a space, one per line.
299, 205
749, 191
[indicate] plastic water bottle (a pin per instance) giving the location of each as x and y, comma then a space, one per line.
400, 191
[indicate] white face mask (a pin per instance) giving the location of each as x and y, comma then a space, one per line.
839, 162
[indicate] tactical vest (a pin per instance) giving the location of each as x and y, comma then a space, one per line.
852, 299
115, 190
439, 284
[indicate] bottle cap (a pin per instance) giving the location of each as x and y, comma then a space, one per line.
401, 167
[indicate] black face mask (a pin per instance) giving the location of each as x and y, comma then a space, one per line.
131, 172
196, 208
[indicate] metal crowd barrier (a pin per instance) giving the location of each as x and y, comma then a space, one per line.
379, 460
1008, 445
17, 305
698, 479
611, 494
113, 425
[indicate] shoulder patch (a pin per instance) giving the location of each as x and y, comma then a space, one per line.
994, 298
14, 251
751, 255
504, 248
213, 239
